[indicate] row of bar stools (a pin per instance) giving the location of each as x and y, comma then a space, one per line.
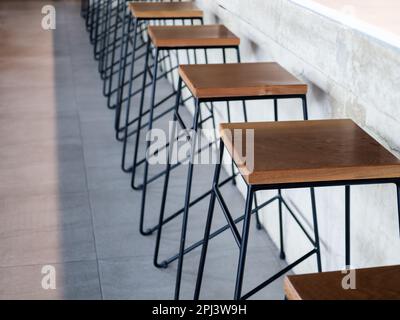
381, 283
166, 39
298, 154
179, 38
142, 14
214, 83
233, 82
134, 20
112, 29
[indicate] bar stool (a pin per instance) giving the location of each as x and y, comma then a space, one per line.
380, 283
143, 14
298, 154
168, 38
228, 82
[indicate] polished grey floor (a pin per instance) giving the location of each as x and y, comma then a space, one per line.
64, 200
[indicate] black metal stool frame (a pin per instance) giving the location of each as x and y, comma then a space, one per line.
149, 124
139, 126
188, 203
242, 240
131, 93
163, 221
130, 21
122, 83
109, 69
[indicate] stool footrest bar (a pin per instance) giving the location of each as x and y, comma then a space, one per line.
278, 275
228, 217
298, 222
219, 231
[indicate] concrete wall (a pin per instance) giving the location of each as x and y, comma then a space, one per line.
349, 75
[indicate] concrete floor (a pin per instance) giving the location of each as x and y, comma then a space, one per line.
63, 198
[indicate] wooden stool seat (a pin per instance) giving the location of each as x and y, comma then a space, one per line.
240, 80
381, 283
164, 10
310, 151
192, 36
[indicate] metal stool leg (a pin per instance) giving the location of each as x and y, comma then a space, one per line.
139, 122
187, 202
128, 102
314, 208
122, 68
166, 181
244, 109
228, 111
243, 244
398, 202
208, 224
316, 232
282, 254
97, 27
347, 226
150, 127
106, 25
109, 75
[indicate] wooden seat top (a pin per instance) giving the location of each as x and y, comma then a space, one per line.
240, 80
381, 283
192, 36
308, 151
164, 10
